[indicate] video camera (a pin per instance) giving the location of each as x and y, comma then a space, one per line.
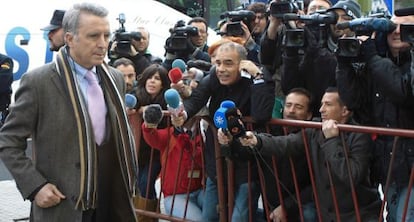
278, 9
297, 37
179, 36
406, 30
123, 38
350, 46
234, 19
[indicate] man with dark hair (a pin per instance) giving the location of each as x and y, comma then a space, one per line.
378, 89
200, 40
332, 170
55, 30
127, 68
259, 24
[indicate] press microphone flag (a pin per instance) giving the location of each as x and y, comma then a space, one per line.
220, 119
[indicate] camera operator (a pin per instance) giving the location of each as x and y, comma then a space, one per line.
180, 46
259, 24
245, 39
138, 50
379, 92
200, 40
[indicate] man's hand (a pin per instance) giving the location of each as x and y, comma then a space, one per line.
224, 138
48, 196
249, 139
278, 215
330, 128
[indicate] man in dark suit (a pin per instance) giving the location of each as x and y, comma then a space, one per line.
82, 168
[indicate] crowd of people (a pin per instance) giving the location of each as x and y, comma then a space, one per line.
88, 166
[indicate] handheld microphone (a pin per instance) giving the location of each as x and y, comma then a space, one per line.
368, 25
175, 75
179, 63
220, 119
130, 101
152, 115
172, 98
234, 122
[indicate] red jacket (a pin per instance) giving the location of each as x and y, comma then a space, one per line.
178, 146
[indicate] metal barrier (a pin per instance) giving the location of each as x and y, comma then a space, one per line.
226, 199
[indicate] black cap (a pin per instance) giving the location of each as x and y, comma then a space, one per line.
351, 8
56, 21
404, 11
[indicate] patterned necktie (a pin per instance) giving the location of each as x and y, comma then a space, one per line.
96, 107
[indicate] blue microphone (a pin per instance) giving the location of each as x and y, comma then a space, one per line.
172, 97
130, 101
179, 63
220, 119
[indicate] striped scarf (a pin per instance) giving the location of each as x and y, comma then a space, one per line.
124, 142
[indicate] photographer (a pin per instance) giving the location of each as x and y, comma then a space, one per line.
135, 47
259, 24
180, 46
379, 92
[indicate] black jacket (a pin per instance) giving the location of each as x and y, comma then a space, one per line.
380, 94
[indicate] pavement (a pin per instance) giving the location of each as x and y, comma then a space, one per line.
12, 206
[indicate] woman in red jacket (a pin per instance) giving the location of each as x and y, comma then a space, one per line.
181, 167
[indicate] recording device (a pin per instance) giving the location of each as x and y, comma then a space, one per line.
317, 21
174, 104
152, 115
220, 119
234, 19
406, 30
130, 101
323, 17
179, 36
350, 46
278, 9
123, 38
234, 123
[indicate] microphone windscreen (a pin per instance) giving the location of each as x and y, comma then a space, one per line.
153, 114
175, 75
130, 100
172, 98
220, 120
227, 104
404, 11
179, 63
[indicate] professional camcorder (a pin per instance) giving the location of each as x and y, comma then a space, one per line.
317, 21
179, 36
406, 30
279, 8
350, 46
234, 18
123, 38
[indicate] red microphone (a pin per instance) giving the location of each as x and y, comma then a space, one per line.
175, 75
